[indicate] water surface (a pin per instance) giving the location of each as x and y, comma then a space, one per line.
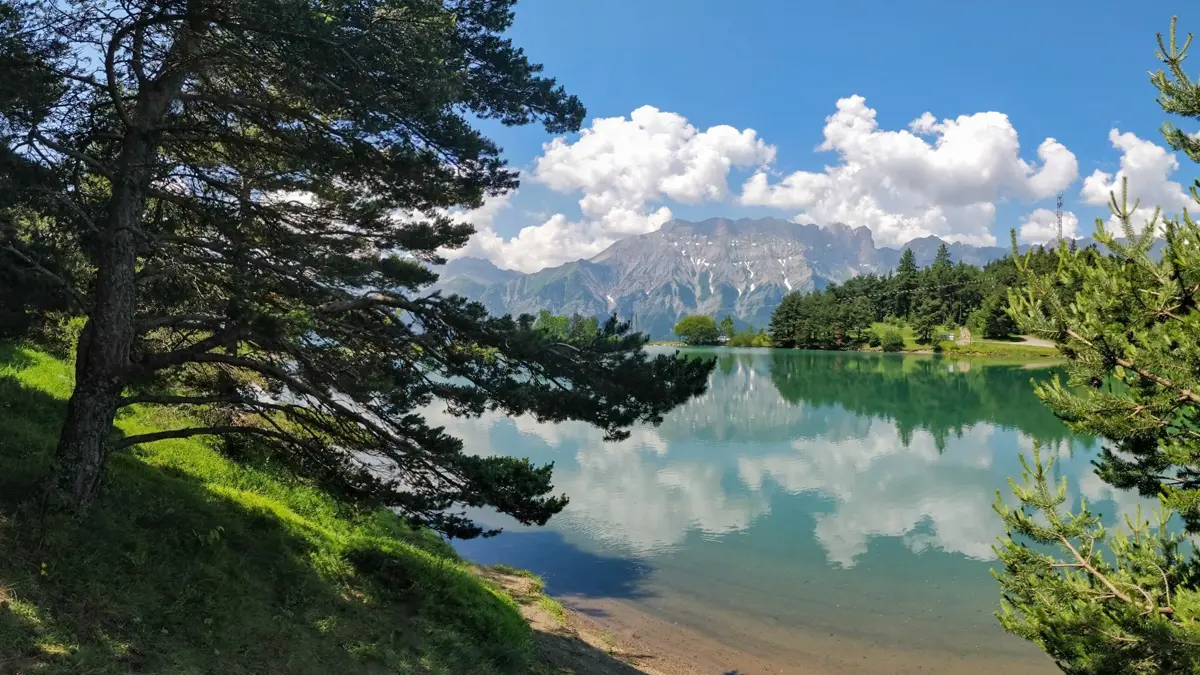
808, 499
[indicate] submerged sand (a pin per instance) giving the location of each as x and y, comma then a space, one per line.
652, 644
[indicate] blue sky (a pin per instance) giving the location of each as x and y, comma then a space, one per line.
1067, 70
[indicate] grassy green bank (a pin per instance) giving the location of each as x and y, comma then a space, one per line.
998, 349
190, 563
1008, 351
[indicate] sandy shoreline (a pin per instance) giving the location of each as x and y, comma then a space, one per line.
657, 645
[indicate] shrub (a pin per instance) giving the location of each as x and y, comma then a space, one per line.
743, 338
891, 341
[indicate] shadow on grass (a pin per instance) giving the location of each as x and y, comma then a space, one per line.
29, 423
566, 568
170, 572
14, 356
568, 654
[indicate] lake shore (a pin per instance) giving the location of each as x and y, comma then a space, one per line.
654, 645
993, 350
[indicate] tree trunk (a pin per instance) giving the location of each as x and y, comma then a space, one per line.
83, 443
102, 356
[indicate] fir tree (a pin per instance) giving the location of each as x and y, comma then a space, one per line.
927, 317
27, 87
905, 283
726, 327
1130, 327
942, 264
257, 188
993, 319
908, 263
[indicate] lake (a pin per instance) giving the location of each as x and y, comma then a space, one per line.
822, 511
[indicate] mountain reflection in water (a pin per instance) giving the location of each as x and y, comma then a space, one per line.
841, 492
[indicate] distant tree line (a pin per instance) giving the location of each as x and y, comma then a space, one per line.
568, 328
701, 330
867, 310
841, 316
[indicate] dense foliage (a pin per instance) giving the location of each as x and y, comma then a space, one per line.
697, 330
1130, 325
726, 327
749, 337
840, 316
700, 330
241, 199
574, 328
891, 340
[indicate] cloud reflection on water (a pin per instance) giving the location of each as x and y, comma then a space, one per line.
766, 431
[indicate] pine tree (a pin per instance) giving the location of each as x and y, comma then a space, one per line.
942, 264
1130, 327
784, 319
904, 284
257, 188
26, 87
726, 327
993, 319
908, 263
926, 318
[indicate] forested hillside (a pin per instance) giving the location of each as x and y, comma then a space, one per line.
943, 294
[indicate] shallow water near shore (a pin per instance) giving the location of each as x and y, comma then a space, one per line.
813, 512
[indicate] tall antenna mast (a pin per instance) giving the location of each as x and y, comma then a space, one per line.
1058, 215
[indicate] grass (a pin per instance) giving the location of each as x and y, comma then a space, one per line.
609, 642
190, 563
1010, 349
905, 330
1001, 349
553, 607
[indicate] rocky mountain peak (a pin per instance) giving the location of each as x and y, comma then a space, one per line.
716, 266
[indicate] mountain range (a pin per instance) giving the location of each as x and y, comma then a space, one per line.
716, 267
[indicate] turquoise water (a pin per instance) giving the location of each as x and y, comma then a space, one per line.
808, 499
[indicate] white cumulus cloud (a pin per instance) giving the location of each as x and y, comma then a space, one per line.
1148, 166
938, 177
555, 241
1041, 226
625, 168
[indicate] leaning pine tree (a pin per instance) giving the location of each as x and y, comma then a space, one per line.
256, 188
1126, 601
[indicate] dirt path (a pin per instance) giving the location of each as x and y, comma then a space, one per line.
1035, 341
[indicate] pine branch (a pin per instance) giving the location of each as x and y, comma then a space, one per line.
191, 432
1184, 392
75, 296
175, 321
102, 168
